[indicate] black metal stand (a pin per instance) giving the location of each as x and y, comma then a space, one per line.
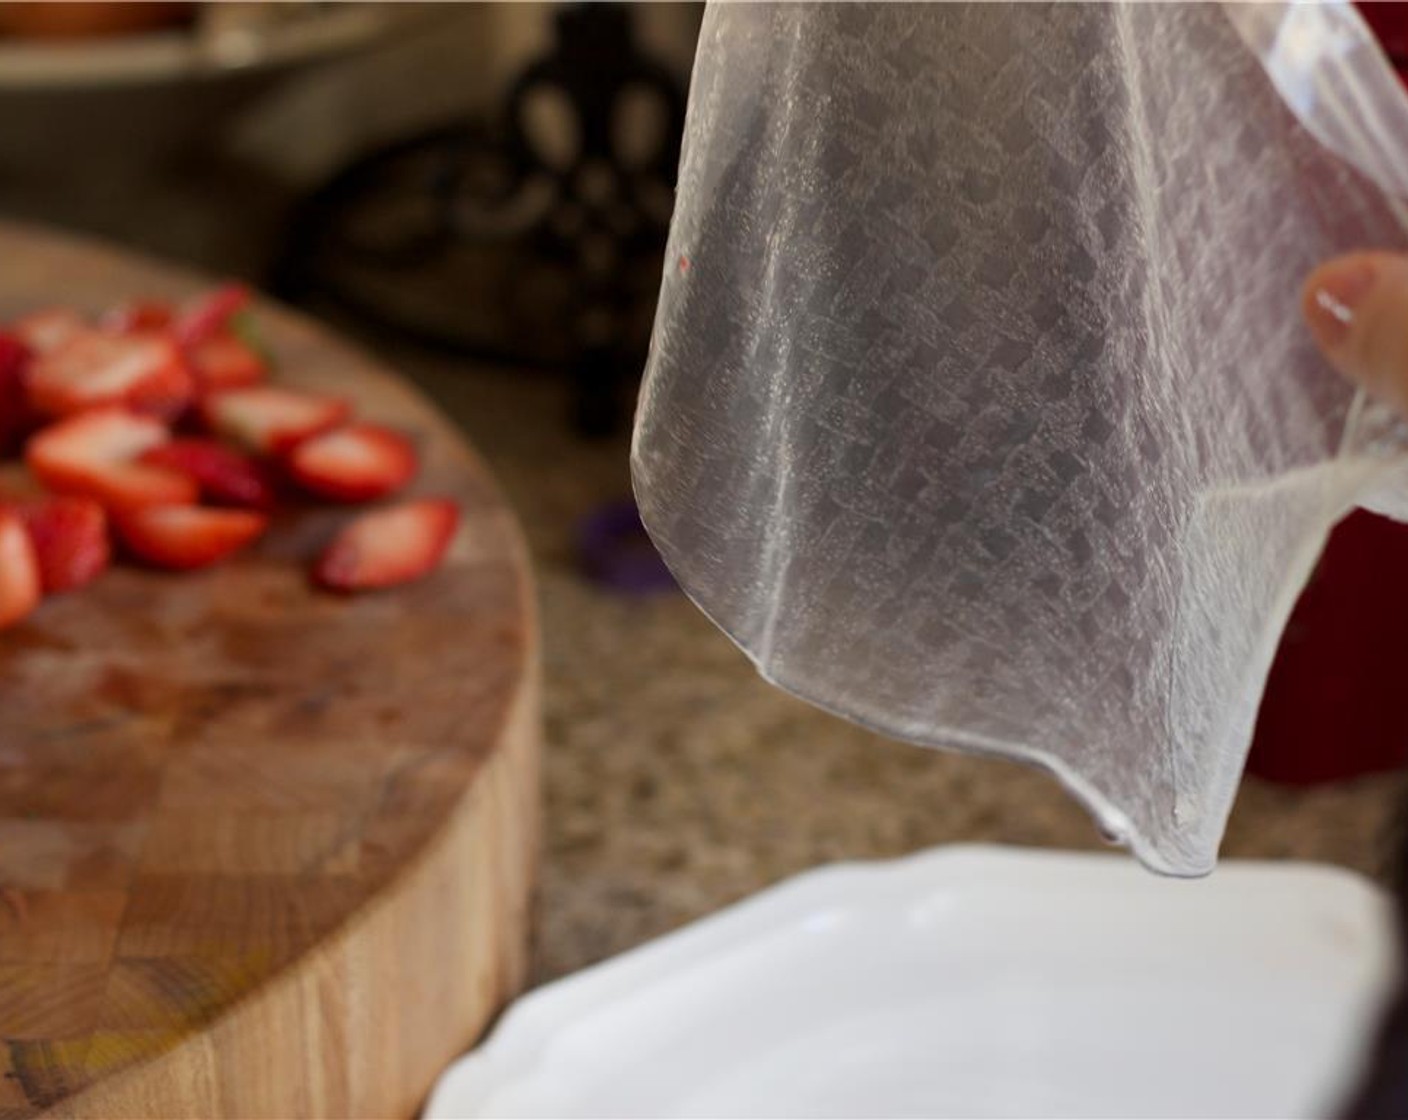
535, 240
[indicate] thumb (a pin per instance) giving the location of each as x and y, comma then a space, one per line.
1357, 309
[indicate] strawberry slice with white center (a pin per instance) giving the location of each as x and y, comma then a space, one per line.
388, 546
20, 587
268, 420
226, 477
94, 454
354, 464
91, 369
186, 537
225, 361
42, 331
70, 539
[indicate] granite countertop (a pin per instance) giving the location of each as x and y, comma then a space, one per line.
677, 781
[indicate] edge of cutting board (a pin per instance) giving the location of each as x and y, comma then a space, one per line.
424, 986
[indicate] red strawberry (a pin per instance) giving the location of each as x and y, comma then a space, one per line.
17, 484
388, 546
70, 539
354, 464
268, 420
225, 361
20, 588
225, 476
139, 315
92, 454
143, 371
211, 313
15, 413
41, 331
14, 354
184, 537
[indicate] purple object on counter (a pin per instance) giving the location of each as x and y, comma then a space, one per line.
615, 551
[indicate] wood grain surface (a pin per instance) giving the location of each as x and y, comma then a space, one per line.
263, 851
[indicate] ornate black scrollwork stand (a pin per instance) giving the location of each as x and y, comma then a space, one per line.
516, 242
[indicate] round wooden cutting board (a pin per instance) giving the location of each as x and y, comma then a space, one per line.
264, 851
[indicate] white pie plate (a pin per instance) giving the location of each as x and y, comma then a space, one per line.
965, 981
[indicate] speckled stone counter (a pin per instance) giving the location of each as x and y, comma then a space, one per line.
678, 781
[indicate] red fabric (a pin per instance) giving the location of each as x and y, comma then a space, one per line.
1336, 703
1389, 20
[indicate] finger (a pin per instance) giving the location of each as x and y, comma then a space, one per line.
1357, 309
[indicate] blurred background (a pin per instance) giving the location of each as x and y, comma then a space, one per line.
480, 193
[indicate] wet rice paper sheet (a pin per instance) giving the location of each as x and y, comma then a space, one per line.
978, 409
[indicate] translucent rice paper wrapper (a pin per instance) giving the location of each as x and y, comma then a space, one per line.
979, 410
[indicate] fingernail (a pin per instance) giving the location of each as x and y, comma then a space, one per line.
1335, 292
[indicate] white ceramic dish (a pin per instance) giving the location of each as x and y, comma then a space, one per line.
965, 981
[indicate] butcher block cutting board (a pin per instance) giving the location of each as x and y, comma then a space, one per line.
264, 851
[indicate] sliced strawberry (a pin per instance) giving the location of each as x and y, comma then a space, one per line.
139, 315
225, 361
16, 416
13, 354
183, 537
70, 539
145, 372
225, 476
269, 420
211, 313
17, 484
20, 589
41, 331
354, 464
92, 454
388, 546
